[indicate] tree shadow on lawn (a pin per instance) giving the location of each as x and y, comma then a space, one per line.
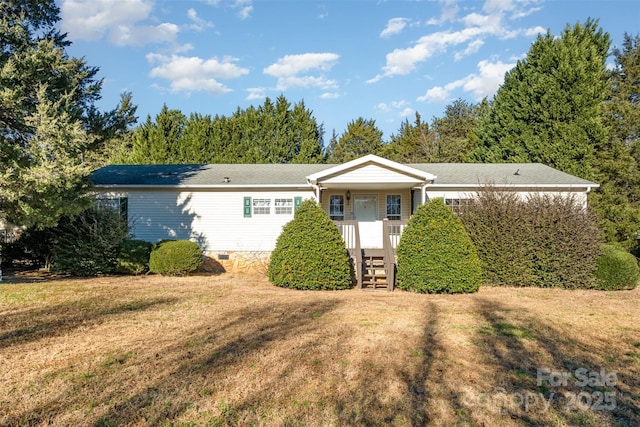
24, 326
545, 375
201, 365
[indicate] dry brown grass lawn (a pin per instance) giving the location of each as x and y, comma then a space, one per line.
235, 350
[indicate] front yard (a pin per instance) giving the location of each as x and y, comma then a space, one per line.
235, 350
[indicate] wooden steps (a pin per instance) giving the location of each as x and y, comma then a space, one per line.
374, 270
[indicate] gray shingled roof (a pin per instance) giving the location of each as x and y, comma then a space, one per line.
449, 174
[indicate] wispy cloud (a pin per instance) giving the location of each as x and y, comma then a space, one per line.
476, 27
304, 70
193, 74
394, 26
485, 83
245, 7
198, 24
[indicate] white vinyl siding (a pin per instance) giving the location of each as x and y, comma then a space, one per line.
213, 219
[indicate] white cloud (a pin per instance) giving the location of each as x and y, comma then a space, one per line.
199, 24
483, 84
394, 26
449, 11
476, 28
256, 93
473, 47
190, 74
304, 70
407, 112
383, 106
245, 8
124, 35
534, 31
435, 94
118, 19
330, 95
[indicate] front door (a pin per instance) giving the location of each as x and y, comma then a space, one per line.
365, 211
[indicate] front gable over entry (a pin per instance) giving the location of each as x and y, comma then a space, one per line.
372, 172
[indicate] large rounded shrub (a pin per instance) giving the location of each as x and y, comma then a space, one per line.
616, 269
133, 257
310, 252
435, 253
175, 257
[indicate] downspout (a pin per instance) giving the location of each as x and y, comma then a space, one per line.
316, 187
423, 190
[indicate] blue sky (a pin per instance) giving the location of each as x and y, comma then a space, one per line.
380, 60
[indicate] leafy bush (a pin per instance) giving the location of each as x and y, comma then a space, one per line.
616, 269
435, 253
546, 241
87, 245
175, 257
310, 252
133, 257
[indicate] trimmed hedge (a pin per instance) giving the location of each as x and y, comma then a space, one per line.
435, 253
545, 241
310, 252
133, 257
616, 269
175, 257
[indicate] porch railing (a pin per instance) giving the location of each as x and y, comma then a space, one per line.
351, 235
391, 233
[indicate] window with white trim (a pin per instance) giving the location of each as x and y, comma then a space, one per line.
394, 206
261, 206
336, 207
284, 206
457, 205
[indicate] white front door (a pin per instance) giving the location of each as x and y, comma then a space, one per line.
365, 211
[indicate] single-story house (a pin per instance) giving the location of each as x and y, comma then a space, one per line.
236, 211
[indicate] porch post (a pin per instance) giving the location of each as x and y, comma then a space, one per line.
423, 194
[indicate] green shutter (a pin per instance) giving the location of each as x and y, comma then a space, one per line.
247, 207
297, 201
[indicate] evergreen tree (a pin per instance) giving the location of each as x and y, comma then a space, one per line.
271, 133
549, 107
362, 137
414, 143
617, 201
454, 133
49, 125
159, 141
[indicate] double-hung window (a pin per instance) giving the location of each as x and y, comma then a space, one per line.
336, 207
457, 205
261, 206
284, 206
394, 207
